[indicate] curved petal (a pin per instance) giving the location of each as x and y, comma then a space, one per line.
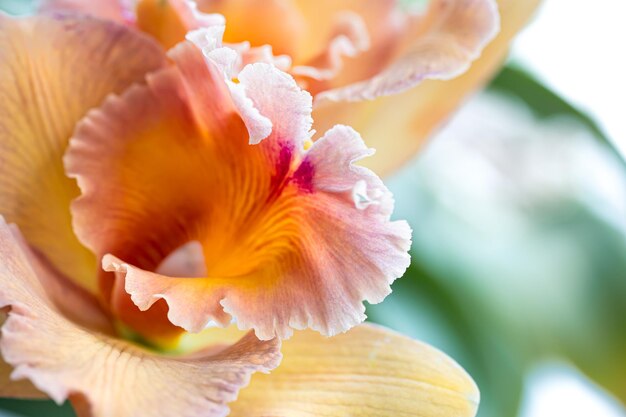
348, 38
367, 372
107, 377
382, 23
116, 10
397, 126
441, 46
291, 239
53, 70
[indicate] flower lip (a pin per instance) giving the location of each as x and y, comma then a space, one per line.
271, 217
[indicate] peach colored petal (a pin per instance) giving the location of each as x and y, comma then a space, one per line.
16, 389
71, 300
116, 10
106, 377
290, 238
384, 25
169, 21
259, 110
53, 70
397, 126
456, 33
367, 372
348, 38
273, 22
316, 35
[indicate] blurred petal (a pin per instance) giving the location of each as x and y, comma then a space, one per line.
291, 239
398, 125
169, 21
107, 377
354, 49
443, 44
53, 70
367, 372
273, 22
348, 38
116, 10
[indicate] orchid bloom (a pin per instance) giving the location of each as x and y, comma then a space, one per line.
177, 199
389, 68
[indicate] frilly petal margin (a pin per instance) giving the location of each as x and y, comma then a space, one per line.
441, 46
105, 377
291, 238
367, 372
403, 122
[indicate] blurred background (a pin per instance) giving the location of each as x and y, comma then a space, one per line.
518, 207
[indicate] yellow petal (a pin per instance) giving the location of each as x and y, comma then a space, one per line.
52, 70
397, 126
367, 372
107, 377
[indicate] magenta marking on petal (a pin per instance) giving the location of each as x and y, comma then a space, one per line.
283, 165
303, 176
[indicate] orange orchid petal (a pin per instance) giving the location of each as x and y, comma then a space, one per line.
53, 70
169, 21
354, 39
291, 239
278, 23
366, 372
349, 38
116, 10
108, 377
397, 126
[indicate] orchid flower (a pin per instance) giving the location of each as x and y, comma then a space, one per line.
168, 223
389, 68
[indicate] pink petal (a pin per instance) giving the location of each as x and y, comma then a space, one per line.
268, 100
120, 11
291, 239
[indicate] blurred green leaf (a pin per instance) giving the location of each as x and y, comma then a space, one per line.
35, 408
544, 103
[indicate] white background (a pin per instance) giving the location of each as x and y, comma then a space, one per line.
578, 49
